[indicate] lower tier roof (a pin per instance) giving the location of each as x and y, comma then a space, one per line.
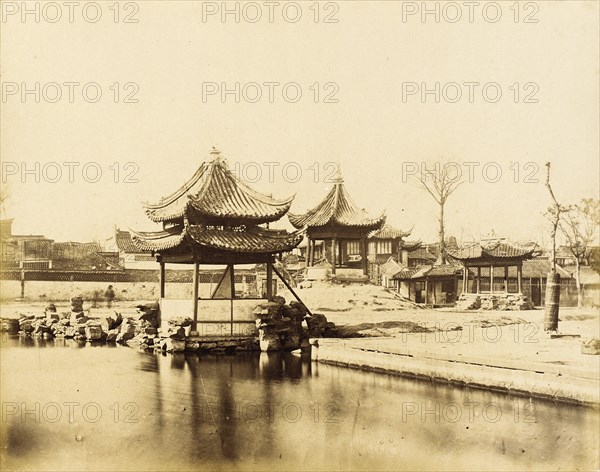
254, 240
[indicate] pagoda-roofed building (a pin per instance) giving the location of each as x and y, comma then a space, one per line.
490, 261
215, 218
343, 227
386, 242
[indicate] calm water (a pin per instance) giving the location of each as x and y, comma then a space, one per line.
68, 406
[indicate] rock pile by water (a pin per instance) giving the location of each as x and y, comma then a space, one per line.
280, 325
77, 325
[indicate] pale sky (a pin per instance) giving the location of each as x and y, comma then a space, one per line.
370, 55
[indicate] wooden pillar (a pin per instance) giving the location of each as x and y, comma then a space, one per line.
333, 255
506, 279
310, 254
161, 279
269, 279
520, 277
465, 283
195, 297
365, 262
492, 278
478, 279
426, 292
232, 283
22, 282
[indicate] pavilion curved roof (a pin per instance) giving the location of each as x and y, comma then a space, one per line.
337, 208
389, 232
253, 239
215, 192
492, 251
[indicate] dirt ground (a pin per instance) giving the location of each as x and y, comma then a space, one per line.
370, 310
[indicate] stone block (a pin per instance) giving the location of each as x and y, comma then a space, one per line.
269, 342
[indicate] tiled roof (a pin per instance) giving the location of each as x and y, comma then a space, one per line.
421, 254
391, 267
388, 232
532, 268
158, 240
337, 207
253, 240
411, 273
215, 192
125, 243
444, 270
429, 271
497, 250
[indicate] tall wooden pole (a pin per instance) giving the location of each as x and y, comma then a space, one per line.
334, 255
365, 261
232, 283
269, 279
478, 279
195, 296
520, 277
161, 279
552, 301
289, 287
492, 278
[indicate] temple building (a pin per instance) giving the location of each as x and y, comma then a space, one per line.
343, 228
217, 219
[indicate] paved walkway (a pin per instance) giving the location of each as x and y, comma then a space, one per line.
518, 359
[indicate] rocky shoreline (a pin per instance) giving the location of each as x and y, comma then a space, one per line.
280, 326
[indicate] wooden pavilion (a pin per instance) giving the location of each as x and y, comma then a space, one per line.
343, 227
216, 219
490, 263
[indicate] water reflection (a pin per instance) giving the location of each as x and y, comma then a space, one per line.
174, 412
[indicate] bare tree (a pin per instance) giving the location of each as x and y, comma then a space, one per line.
552, 303
440, 183
553, 214
579, 225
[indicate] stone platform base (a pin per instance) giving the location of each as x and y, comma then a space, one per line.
493, 301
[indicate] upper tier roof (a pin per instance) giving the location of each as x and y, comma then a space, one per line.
337, 208
215, 192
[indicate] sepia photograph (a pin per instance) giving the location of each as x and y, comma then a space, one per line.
311, 235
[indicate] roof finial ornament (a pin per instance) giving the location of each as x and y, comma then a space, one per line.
215, 153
